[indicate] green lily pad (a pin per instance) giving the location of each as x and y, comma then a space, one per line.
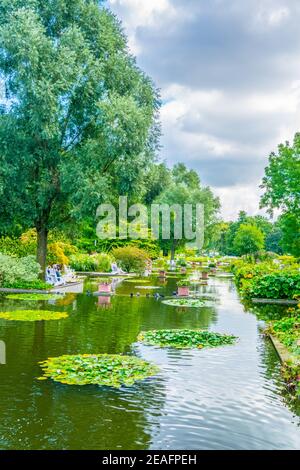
32, 315
97, 369
185, 339
185, 302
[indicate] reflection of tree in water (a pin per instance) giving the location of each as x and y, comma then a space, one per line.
98, 418
268, 312
48, 415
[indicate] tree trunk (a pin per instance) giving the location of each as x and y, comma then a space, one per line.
42, 239
173, 250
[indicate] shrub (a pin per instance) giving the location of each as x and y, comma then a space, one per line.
103, 262
60, 252
88, 263
14, 270
131, 259
281, 285
83, 262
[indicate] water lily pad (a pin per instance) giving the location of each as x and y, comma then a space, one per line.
32, 315
34, 297
148, 287
185, 302
139, 281
186, 339
97, 369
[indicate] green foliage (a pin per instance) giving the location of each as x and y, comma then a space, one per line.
98, 369
28, 285
17, 270
15, 247
248, 239
100, 262
281, 181
281, 185
32, 315
83, 123
185, 339
184, 283
185, 188
131, 259
279, 285
287, 330
33, 297
189, 303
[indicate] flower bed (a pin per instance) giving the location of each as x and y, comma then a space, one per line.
186, 339
98, 369
32, 315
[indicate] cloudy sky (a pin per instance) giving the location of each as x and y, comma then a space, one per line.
229, 75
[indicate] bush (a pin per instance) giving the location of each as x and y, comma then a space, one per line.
60, 252
83, 262
131, 259
281, 285
103, 262
14, 270
88, 263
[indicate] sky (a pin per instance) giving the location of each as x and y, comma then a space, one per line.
229, 76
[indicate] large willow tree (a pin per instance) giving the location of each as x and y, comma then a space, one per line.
79, 117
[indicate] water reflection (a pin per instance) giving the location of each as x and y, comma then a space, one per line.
226, 398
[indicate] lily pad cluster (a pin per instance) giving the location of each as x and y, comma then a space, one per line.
139, 281
97, 369
189, 303
186, 339
32, 315
34, 297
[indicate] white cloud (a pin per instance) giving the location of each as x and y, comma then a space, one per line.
142, 13
229, 73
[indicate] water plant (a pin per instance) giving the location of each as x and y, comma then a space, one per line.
34, 297
186, 339
97, 369
32, 315
191, 303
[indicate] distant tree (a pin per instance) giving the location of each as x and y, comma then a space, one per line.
80, 117
248, 240
185, 188
274, 240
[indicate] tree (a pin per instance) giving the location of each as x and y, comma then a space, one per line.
80, 118
281, 181
248, 240
282, 191
290, 233
185, 188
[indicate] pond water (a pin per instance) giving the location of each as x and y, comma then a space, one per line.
225, 398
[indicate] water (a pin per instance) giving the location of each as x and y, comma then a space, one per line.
223, 398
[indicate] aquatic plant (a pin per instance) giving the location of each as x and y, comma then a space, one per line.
34, 297
97, 369
32, 315
190, 303
185, 339
140, 281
